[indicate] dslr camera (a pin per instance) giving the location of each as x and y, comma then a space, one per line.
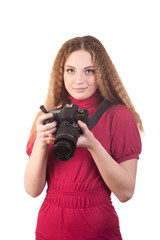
68, 130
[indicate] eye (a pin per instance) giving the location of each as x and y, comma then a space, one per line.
89, 71
70, 70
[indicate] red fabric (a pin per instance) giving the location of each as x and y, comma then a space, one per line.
77, 205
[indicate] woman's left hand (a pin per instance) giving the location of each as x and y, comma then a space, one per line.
87, 138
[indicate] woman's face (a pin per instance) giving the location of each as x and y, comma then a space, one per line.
79, 75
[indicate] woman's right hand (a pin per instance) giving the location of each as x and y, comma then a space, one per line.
45, 133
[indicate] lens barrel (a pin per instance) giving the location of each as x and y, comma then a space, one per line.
64, 150
65, 141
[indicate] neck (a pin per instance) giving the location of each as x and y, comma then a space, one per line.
91, 103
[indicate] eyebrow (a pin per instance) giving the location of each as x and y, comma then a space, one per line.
84, 68
89, 67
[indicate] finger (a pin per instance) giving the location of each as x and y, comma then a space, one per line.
46, 135
46, 138
83, 126
49, 127
43, 117
51, 131
49, 139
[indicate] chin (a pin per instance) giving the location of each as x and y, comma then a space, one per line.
80, 96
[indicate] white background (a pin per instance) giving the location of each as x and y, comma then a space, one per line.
31, 33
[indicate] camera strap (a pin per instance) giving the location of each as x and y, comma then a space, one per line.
92, 121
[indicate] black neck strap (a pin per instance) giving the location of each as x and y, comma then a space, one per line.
92, 121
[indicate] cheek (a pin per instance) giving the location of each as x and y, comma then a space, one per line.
93, 83
67, 82
66, 79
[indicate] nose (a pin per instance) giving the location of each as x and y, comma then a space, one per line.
79, 78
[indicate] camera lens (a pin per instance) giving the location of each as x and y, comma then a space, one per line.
63, 150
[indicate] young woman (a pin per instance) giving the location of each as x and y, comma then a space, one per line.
78, 200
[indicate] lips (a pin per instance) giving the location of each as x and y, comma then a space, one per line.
79, 89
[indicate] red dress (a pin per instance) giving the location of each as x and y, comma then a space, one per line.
77, 204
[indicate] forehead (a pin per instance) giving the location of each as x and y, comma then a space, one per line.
80, 58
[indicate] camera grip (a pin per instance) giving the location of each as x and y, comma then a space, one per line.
49, 120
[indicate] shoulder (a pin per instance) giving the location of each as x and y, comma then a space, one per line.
123, 125
119, 110
120, 115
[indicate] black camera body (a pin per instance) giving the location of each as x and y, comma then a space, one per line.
68, 130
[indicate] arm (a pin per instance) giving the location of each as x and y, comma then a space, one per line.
120, 178
35, 173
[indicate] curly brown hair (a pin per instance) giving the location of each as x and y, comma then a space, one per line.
109, 83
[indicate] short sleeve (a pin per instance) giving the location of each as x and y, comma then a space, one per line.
125, 137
